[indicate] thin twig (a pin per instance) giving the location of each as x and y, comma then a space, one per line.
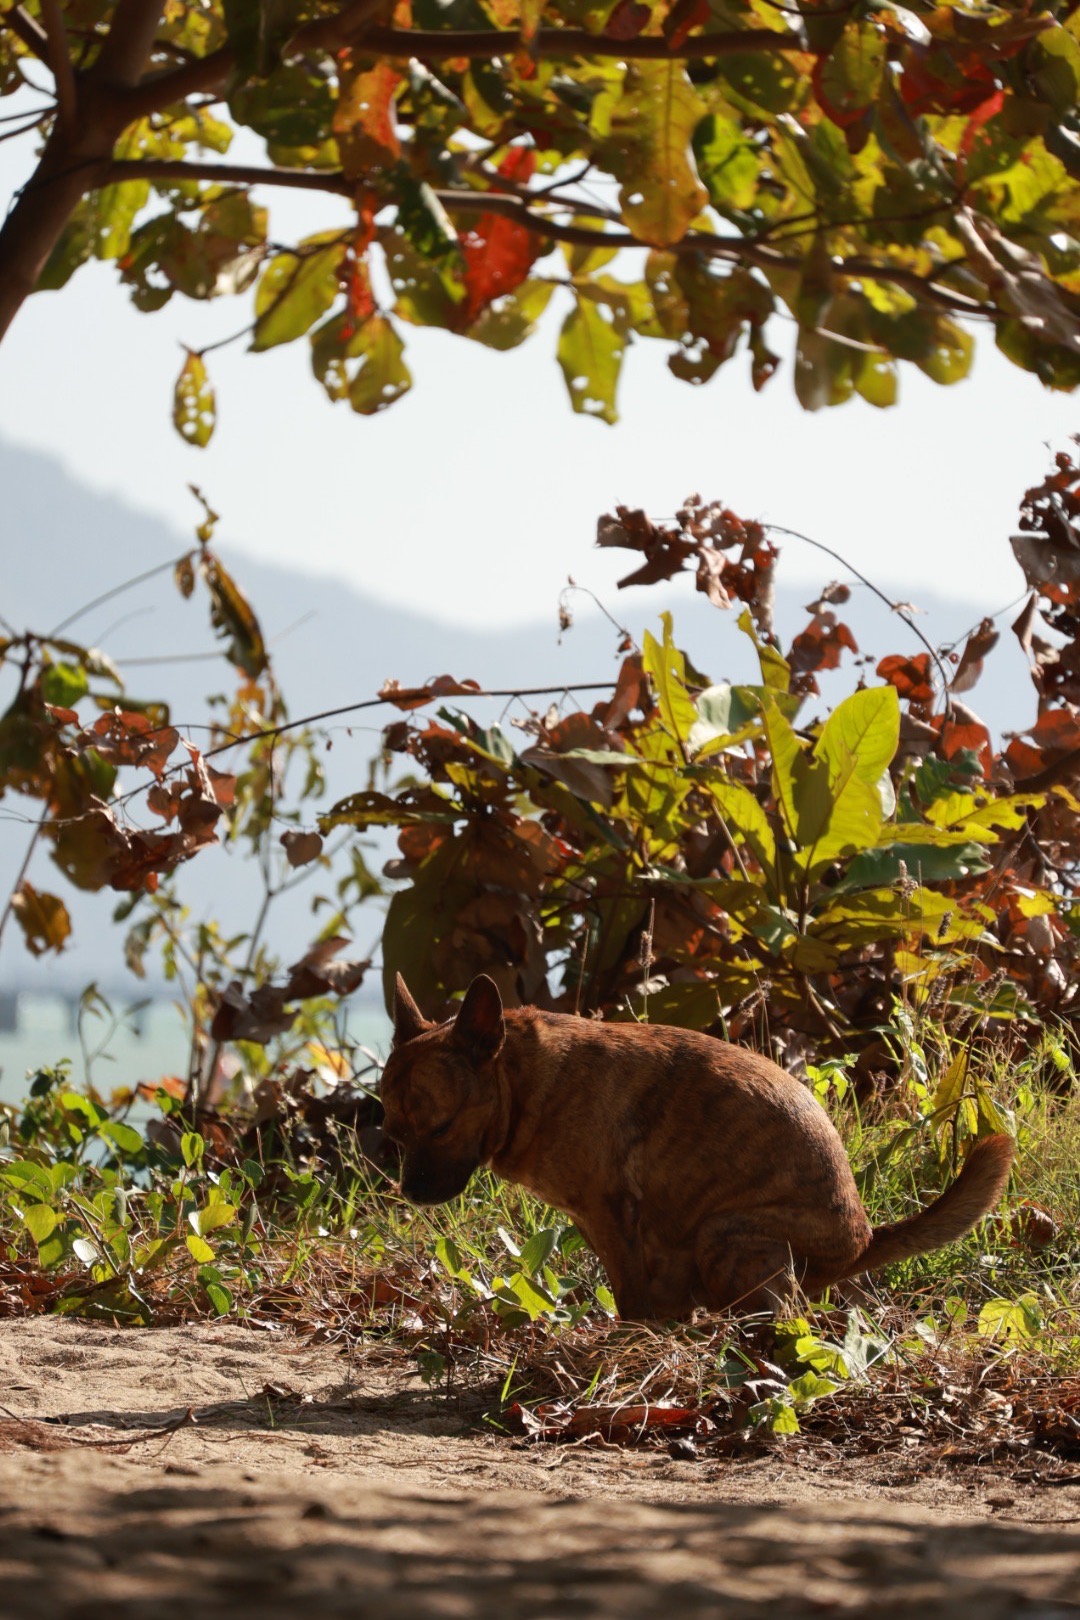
117, 590
893, 607
23, 869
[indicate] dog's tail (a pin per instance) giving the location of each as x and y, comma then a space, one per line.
974, 1192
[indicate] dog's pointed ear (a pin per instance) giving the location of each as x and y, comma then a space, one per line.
409, 1021
479, 1026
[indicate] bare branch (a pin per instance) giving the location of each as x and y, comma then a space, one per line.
734, 249
59, 61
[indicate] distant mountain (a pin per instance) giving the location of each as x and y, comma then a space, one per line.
64, 545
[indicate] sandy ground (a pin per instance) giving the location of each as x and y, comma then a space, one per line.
313, 1484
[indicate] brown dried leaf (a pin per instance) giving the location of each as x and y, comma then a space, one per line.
414, 697
126, 737
42, 917
981, 641
256, 1017
817, 647
301, 848
319, 974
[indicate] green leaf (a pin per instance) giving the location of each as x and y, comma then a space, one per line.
977, 817
862, 735
535, 1301
801, 784
211, 1217
877, 868
219, 1297
296, 288
378, 379
952, 1085
728, 161
651, 154
952, 351
198, 1248
723, 711
40, 1221
192, 1148
449, 1256
775, 669
538, 1249
63, 684
811, 1387
74, 247
823, 370
126, 1138
877, 914
590, 353
851, 74
194, 406
666, 667
746, 818
1011, 1320
423, 220
513, 317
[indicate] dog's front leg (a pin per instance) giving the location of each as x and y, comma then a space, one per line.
616, 1238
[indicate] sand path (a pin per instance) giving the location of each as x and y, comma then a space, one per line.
314, 1484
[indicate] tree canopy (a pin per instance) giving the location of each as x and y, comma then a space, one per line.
886, 176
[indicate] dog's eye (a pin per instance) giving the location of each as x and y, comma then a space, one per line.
441, 1130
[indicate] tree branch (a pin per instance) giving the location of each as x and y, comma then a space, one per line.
159, 90
33, 37
237, 174
59, 61
129, 41
435, 45
736, 249
351, 27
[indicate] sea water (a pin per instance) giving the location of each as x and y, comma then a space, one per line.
127, 1047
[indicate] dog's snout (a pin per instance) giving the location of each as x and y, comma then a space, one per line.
423, 1182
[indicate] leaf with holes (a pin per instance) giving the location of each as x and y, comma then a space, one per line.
296, 288
194, 407
590, 352
651, 154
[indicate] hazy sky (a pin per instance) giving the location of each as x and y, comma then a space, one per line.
474, 497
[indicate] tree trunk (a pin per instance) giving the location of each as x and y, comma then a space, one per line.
45, 204
77, 154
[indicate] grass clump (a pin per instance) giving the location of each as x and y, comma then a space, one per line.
129, 1210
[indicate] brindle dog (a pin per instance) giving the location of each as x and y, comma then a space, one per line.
701, 1173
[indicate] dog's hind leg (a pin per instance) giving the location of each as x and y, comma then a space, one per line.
742, 1268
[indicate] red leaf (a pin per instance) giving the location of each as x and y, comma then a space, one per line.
819, 647
982, 115
966, 730
629, 19
910, 676
682, 19
498, 252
